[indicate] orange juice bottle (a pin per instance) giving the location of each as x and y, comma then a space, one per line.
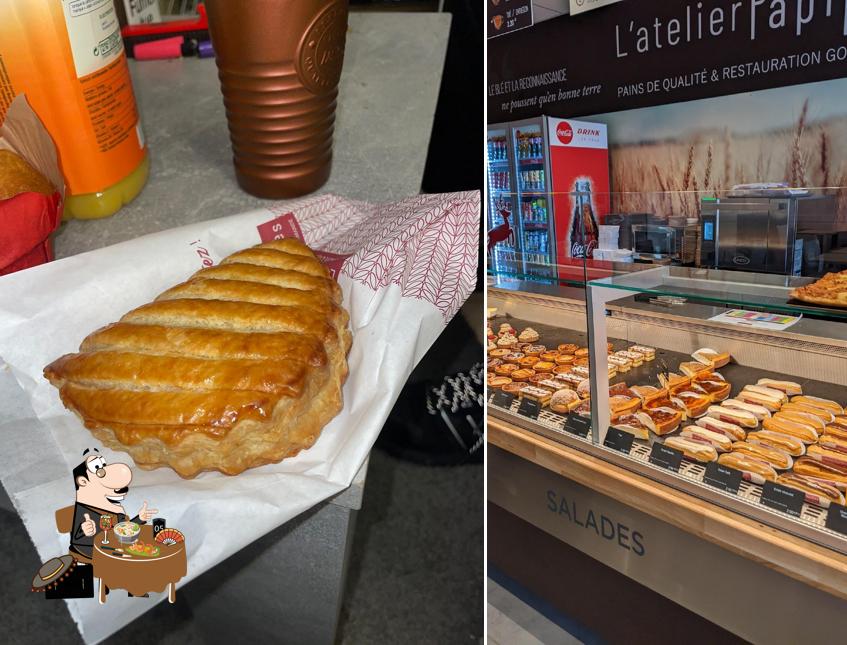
67, 57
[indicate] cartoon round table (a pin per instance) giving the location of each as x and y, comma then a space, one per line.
138, 574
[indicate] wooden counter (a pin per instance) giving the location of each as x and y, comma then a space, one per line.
809, 563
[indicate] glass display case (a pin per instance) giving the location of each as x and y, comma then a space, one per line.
725, 383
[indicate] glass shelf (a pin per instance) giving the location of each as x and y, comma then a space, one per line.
732, 288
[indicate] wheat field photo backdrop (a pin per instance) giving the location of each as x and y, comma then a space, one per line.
665, 159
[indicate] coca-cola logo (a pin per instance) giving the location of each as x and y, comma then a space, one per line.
579, 250
564, 132
588, 132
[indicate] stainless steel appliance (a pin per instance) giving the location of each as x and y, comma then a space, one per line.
761, 234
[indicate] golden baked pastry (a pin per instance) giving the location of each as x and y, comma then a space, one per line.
18, 176
240, 366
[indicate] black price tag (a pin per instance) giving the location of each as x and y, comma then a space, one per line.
529, 408
836, 518
618, 440
726, 479
578, 425
666, 457
502, 399
782, 498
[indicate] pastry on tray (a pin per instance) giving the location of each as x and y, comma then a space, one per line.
830, 290
240, 366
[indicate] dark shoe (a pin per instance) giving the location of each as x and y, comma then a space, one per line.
438, 424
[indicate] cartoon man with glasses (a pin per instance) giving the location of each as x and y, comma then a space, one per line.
100, 489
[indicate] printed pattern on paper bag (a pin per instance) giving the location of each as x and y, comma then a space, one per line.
428, 245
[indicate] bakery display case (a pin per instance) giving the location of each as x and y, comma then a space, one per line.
725, 386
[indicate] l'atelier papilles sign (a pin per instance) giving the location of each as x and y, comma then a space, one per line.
651, 52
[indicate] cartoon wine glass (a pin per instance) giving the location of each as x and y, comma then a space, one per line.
106, 525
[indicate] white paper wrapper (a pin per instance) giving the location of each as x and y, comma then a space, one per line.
411, 266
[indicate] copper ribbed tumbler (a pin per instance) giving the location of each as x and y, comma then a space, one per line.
279, 62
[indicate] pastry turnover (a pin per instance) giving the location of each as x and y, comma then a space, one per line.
240, 366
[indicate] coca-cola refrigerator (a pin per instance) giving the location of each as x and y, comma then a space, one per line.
579, 165
534, 216
503, 237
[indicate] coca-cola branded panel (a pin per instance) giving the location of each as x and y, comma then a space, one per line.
579, 164
653, 52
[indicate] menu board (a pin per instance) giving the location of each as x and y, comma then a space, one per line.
506, 16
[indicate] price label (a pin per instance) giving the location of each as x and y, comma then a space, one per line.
666, 457
578, 425
529, 408
726, 479
502, 399
836, 518
618, 440
782, 498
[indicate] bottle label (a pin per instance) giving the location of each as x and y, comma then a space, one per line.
94, 33
321, 51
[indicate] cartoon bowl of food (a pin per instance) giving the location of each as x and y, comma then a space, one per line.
127, 532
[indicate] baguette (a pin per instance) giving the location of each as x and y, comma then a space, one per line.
778, 395
822, 472
759, 411
802, 417
731, 415
729, 430
836, 430
818, 402
824, 415
833, 442
752, 469
694, 450
792, 445
717, 440
777, 458
817, 492
756, 398
803, 431
826, 456
789, 387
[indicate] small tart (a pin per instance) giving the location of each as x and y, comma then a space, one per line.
535, 350
506, 369
500, 352
513, 357
552, 355
562, 369
565, 359
499, 381
582, 360
538, 376
494, 362
582, 351
512, 387
544, 366
567, 348
528, 361
522, 374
